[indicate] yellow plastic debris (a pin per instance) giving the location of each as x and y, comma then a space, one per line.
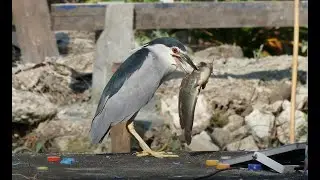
222, 166
212, 162
42, 168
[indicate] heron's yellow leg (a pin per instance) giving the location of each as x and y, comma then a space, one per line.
146, 149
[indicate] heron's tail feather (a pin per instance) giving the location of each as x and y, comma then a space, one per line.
99, 128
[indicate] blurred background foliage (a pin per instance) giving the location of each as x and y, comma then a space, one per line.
264, 41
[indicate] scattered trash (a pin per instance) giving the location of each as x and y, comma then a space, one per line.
176, 163
53, 158
225, 157
43, 168
68, 161
118, 177
265, 160
254, 167
14, 164
212, 162
222, 166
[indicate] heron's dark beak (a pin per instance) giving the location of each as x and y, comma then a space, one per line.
188, 60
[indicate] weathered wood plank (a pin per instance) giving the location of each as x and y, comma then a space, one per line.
185, 15
216, 15
82, 23
33, 28
113, 46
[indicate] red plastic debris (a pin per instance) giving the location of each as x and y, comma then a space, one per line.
53, 158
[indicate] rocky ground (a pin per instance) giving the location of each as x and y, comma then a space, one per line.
245, 106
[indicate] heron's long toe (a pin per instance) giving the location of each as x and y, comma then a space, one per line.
160, 154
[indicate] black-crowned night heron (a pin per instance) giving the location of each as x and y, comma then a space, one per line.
133, 85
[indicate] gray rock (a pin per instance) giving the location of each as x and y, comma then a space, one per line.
220, 136
234, 122
246, 144
77, 112
239, 133
202, 142
247, 111
273, 108
53, 80
80, 62
70, 135
301, 97
276, 107
286, 105
81, 144
283, 124
281, 93
261, 125
30, 108
223, 51
202, 116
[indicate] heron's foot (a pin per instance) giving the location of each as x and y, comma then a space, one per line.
160, 154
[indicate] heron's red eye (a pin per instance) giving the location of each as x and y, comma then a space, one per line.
175, 50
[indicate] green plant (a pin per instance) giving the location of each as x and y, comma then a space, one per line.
143, 37
258, 52
304, 46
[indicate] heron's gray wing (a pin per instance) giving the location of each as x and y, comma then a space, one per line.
129, 89
126, 69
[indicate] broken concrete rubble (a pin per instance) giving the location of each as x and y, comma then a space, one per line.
202, 142
282, 123
256, 90
246, 144
29, 108
261, 126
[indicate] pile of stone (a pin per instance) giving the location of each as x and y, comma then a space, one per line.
245, 105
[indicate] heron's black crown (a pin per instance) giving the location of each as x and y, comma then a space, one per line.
168, 41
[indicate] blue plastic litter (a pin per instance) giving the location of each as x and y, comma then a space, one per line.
67, 161
254, 167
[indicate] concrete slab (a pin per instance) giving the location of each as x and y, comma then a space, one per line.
128, 166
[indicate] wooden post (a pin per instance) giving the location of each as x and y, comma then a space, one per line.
113, 46
294, 71
33, 27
